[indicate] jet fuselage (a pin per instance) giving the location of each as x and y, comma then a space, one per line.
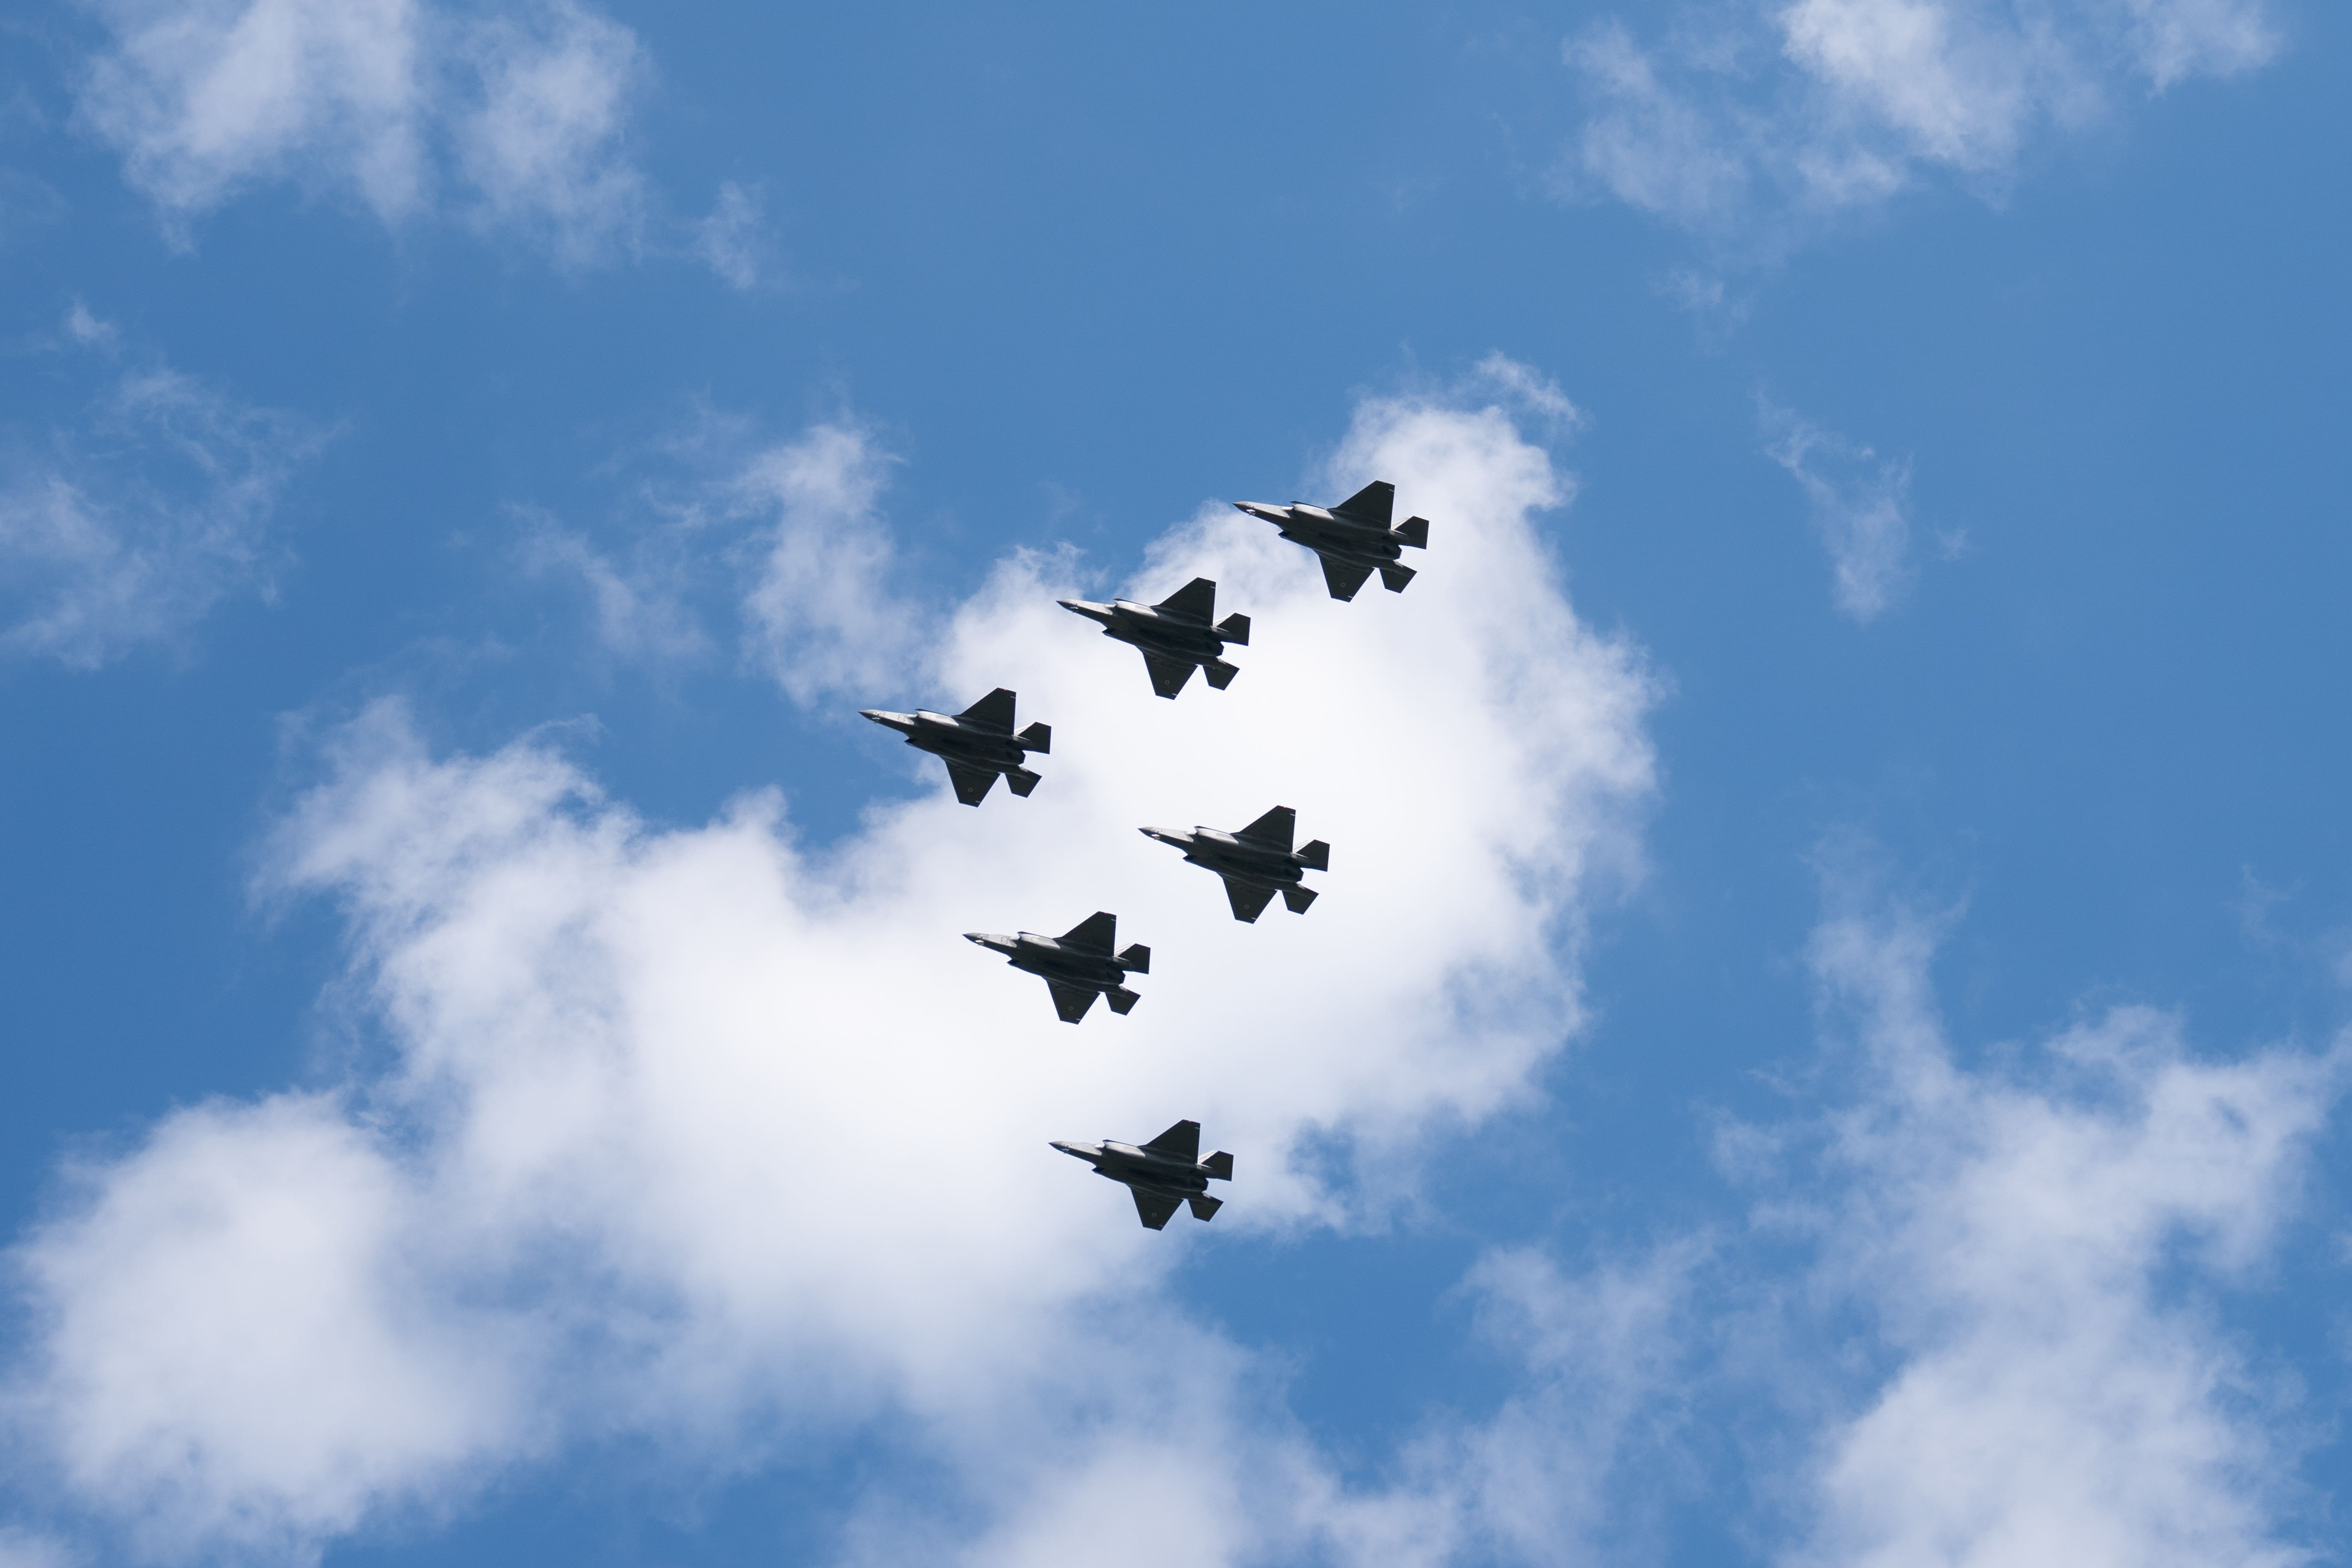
1042, 955
1319, 531
944, 735
1134, 1167
1149, 627
1228, 855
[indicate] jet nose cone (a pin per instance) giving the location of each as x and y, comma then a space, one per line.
872, 713
979, 936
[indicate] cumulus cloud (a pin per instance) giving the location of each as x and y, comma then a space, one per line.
2034, 1249
1859, 508
720, 1137
131, 526
516, 117
1749, 124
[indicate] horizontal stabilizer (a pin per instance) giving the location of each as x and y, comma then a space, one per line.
1137, 958
1249, 899
1154, 1209
1316, 857
1414, 532
1020, 781
1168, 675
1344, 578
1094, 933
1275, 827
1197, 599
992, 711
1037, 738
1298, 899
1123, 1001
1071, 1001
1394, 578
1235, 629
1203, 1205
1374, 504
1181, 1142
1220, 1166
971, 785
1221, 674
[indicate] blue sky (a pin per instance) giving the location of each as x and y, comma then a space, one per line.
1823, 1040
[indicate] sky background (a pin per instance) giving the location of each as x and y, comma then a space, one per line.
1823, 1038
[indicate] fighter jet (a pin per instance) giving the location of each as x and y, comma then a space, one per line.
1257, 863
1353, 538
1078, 965
977, 744
1164, 1173
1174, 635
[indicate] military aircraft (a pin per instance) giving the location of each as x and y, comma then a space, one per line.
1257, 862
1174, 635
1077, 966
977, 744
1164, 1173
1352, 539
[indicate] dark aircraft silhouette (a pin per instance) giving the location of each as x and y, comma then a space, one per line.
1077, 966
1257, 862
1162, 1174
977, 744
1175, 635
1353, 538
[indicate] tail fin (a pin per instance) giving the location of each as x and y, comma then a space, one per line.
1394, 578
1317, 856
1220, 1166
1123, 1001
1298, 899
1136, 959
1020, 781
1221, 674
1203, 1205
1414, 532
1235, 629
1037, 738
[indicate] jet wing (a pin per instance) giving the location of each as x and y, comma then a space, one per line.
1343, 577
1094, 933
1275, 827
1168, 675
994, 711
1374, 505
1181, 1142
1197, 599
1070, 1001
1248, 899
971, 785
1153, 1209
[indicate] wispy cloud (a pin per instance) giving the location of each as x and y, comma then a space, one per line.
1752, 126
129, 526
647, 1162
1860, 509
515, 117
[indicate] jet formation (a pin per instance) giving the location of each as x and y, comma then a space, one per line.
1159, 1175
1177, 635
1257, 862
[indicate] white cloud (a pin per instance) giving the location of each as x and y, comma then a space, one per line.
1860, 509
1751, 123
740, 1142
819, 615
732, 241
517, 116
130, 528
2033, 1250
